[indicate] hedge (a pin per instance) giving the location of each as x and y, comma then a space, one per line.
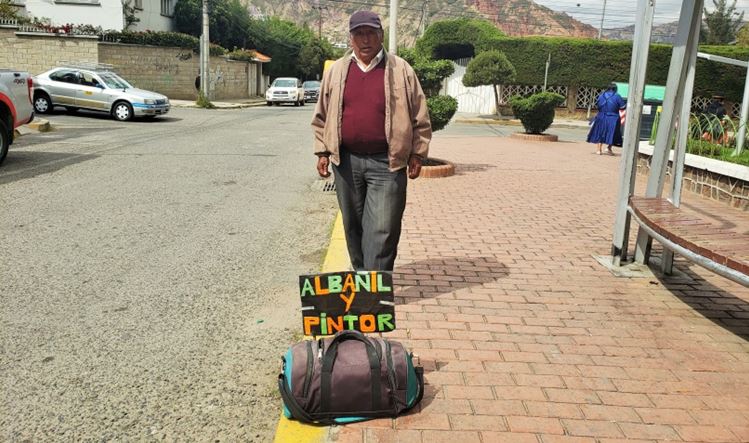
172, 39
457, 38
589, 62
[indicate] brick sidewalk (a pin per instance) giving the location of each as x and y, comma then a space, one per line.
525, 337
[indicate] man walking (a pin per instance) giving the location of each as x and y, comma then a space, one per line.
372, 123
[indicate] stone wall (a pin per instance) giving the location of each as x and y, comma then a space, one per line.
172, 71
36, 53
731, 191
169, 71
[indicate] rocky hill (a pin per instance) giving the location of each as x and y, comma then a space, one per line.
662, 33
513, 17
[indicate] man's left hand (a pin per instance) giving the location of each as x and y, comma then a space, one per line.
414, 166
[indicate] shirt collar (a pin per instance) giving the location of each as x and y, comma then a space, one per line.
375, 61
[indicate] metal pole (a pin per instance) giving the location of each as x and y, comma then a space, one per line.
204, 52
424, 17
603, 15
686, 43
393, 39
744, 117
546, 74
628, 168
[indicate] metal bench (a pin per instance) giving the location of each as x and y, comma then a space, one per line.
687, 233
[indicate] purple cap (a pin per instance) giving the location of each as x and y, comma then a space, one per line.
364, 18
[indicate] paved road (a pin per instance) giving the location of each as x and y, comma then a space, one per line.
148, 273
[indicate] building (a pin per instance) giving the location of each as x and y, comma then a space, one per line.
153, 15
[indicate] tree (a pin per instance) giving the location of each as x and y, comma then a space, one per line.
722, 24
742, 38
490, 68
228, 21
8, 10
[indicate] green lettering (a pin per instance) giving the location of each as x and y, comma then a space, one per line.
334, 283
362, 281
350, 319
383, 320
323, 324
382, 288
307, 287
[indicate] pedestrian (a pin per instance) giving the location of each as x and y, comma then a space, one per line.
197, 83
371, 122
607, 127
712, 120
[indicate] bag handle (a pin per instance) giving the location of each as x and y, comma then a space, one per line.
329, 359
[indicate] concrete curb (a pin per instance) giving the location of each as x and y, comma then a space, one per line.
38, 125
489, 121
336, 259
218, 105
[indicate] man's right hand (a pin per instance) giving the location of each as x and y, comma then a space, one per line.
322, 166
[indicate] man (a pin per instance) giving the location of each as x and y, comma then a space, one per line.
371, 122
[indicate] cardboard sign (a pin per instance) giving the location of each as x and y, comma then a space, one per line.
349, 300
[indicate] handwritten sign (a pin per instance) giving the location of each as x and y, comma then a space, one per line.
349, 300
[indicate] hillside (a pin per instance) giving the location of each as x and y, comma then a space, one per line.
513, 17
662, 33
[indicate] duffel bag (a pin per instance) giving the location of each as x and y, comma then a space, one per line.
348, 377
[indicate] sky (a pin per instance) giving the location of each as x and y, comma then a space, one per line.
622, 13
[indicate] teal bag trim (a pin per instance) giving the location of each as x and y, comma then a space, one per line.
288, 360
412, 384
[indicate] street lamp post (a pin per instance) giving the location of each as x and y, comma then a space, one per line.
603, 16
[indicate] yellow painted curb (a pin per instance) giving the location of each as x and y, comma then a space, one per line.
336, 259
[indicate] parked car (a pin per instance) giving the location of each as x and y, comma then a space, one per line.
311, 90
96, 89
285, 90
15, 105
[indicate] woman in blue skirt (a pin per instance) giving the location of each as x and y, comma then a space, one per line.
607, 127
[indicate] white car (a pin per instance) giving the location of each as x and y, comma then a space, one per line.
285, 90
97, 89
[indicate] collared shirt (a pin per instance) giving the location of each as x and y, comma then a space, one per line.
375, 61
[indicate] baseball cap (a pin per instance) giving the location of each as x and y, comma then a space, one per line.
364, 18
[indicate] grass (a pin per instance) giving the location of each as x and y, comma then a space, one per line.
719, 152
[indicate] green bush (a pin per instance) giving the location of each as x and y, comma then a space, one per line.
430, 72
489, 68
536, 112
171, 39
441, 110
456, 38
203, 101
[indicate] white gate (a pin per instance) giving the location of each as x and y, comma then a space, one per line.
479, 100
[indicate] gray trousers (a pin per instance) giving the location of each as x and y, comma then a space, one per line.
372, 200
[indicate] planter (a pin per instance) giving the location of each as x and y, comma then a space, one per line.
435, 168
535, 137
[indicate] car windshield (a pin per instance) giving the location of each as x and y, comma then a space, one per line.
284, 83
311, 85
114, 81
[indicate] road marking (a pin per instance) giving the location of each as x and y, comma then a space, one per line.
336, 259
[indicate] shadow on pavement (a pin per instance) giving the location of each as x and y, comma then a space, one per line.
713, 303
434, 277
20, 165
465, 168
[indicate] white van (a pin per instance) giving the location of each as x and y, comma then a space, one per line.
285, 90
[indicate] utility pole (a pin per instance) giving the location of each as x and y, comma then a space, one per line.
204, 52
393, 39
424, 18
319, 8
603, 15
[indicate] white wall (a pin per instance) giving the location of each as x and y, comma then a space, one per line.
151, 18
104, 13
474, 100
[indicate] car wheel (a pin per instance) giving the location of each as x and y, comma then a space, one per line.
122, 111
303, 102
296, 103
71, 109
42, 103
269, 103
4, 141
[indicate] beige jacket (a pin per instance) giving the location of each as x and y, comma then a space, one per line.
407, 126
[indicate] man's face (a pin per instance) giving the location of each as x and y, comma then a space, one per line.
367, 42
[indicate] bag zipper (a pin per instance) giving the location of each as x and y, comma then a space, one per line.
310, 368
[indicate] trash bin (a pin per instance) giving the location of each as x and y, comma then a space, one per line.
651, 101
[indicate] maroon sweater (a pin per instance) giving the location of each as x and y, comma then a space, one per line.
363, 120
